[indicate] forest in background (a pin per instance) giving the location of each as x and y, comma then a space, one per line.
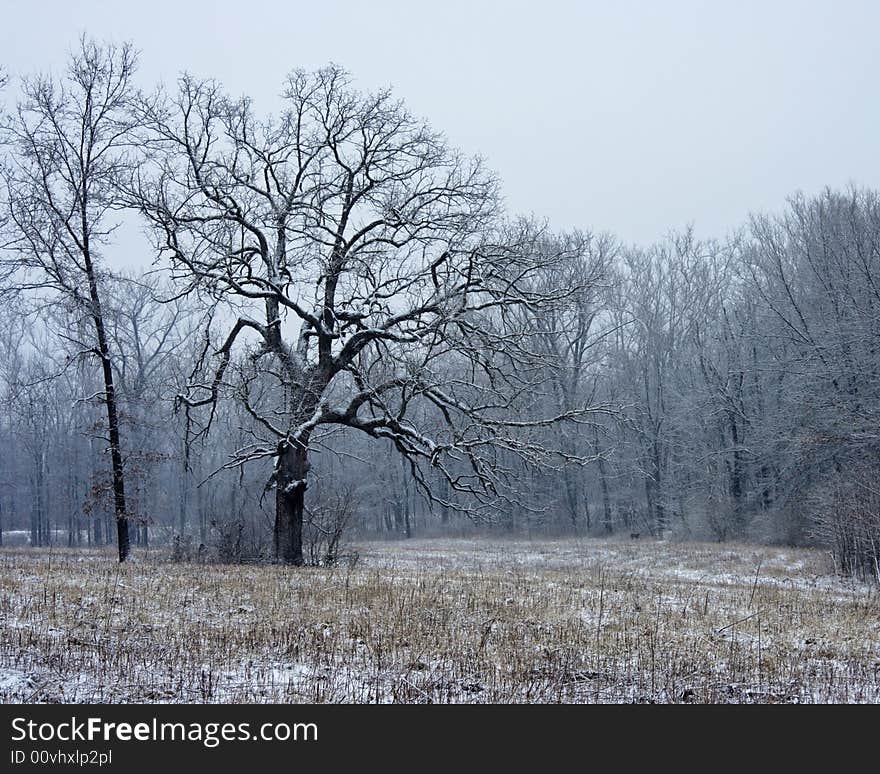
345, 335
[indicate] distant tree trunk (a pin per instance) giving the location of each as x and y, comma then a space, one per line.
290, 488
571, 499
47, 517
37, 516
184, 495
402, 522
653, 492
93, 515
35, 531
412, 509
607, 520
72, 523
398, 515
203, 516
181, 515
736, 476
767, 483
406, 500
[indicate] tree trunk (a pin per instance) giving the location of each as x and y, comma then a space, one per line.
767, 479
122, 538
34, 524
654, 493
38, 526
183, 502
398, 514
185, 474
608, 521
103, 352
571, 499
736, 477
404, 500
290, 489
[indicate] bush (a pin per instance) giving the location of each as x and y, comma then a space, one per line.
847, 520
184, 549
324, 527
235, 541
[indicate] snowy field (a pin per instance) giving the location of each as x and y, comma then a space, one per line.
442, 621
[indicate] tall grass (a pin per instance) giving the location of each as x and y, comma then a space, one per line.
442, 621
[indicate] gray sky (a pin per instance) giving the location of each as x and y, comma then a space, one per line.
632, 117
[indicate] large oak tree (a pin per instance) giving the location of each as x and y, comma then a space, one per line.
369, 276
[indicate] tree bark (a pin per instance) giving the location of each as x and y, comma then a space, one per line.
736, 477
38, 526
103, 351
122, 537
290, 488
184, 489
571, 499
654, 492
608, 519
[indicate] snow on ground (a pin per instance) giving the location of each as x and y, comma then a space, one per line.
443, 621
15, 686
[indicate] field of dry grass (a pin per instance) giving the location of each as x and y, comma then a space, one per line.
442, 621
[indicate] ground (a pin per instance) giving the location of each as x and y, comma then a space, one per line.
442, 621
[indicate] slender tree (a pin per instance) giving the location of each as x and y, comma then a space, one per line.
69, 142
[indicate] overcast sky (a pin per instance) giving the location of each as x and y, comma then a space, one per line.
632, 117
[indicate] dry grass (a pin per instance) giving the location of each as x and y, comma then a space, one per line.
442, 621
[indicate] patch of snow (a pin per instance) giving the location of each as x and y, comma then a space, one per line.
14, 684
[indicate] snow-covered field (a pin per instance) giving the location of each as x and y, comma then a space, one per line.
442, 621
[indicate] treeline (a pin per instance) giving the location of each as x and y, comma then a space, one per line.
345, 334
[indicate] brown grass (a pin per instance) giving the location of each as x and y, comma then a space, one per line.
442, 621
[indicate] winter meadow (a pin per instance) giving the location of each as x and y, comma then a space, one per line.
357, 431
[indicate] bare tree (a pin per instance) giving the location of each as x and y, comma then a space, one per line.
148, 327
369, 261
813, 272
571, 337
654, 318
69, 142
